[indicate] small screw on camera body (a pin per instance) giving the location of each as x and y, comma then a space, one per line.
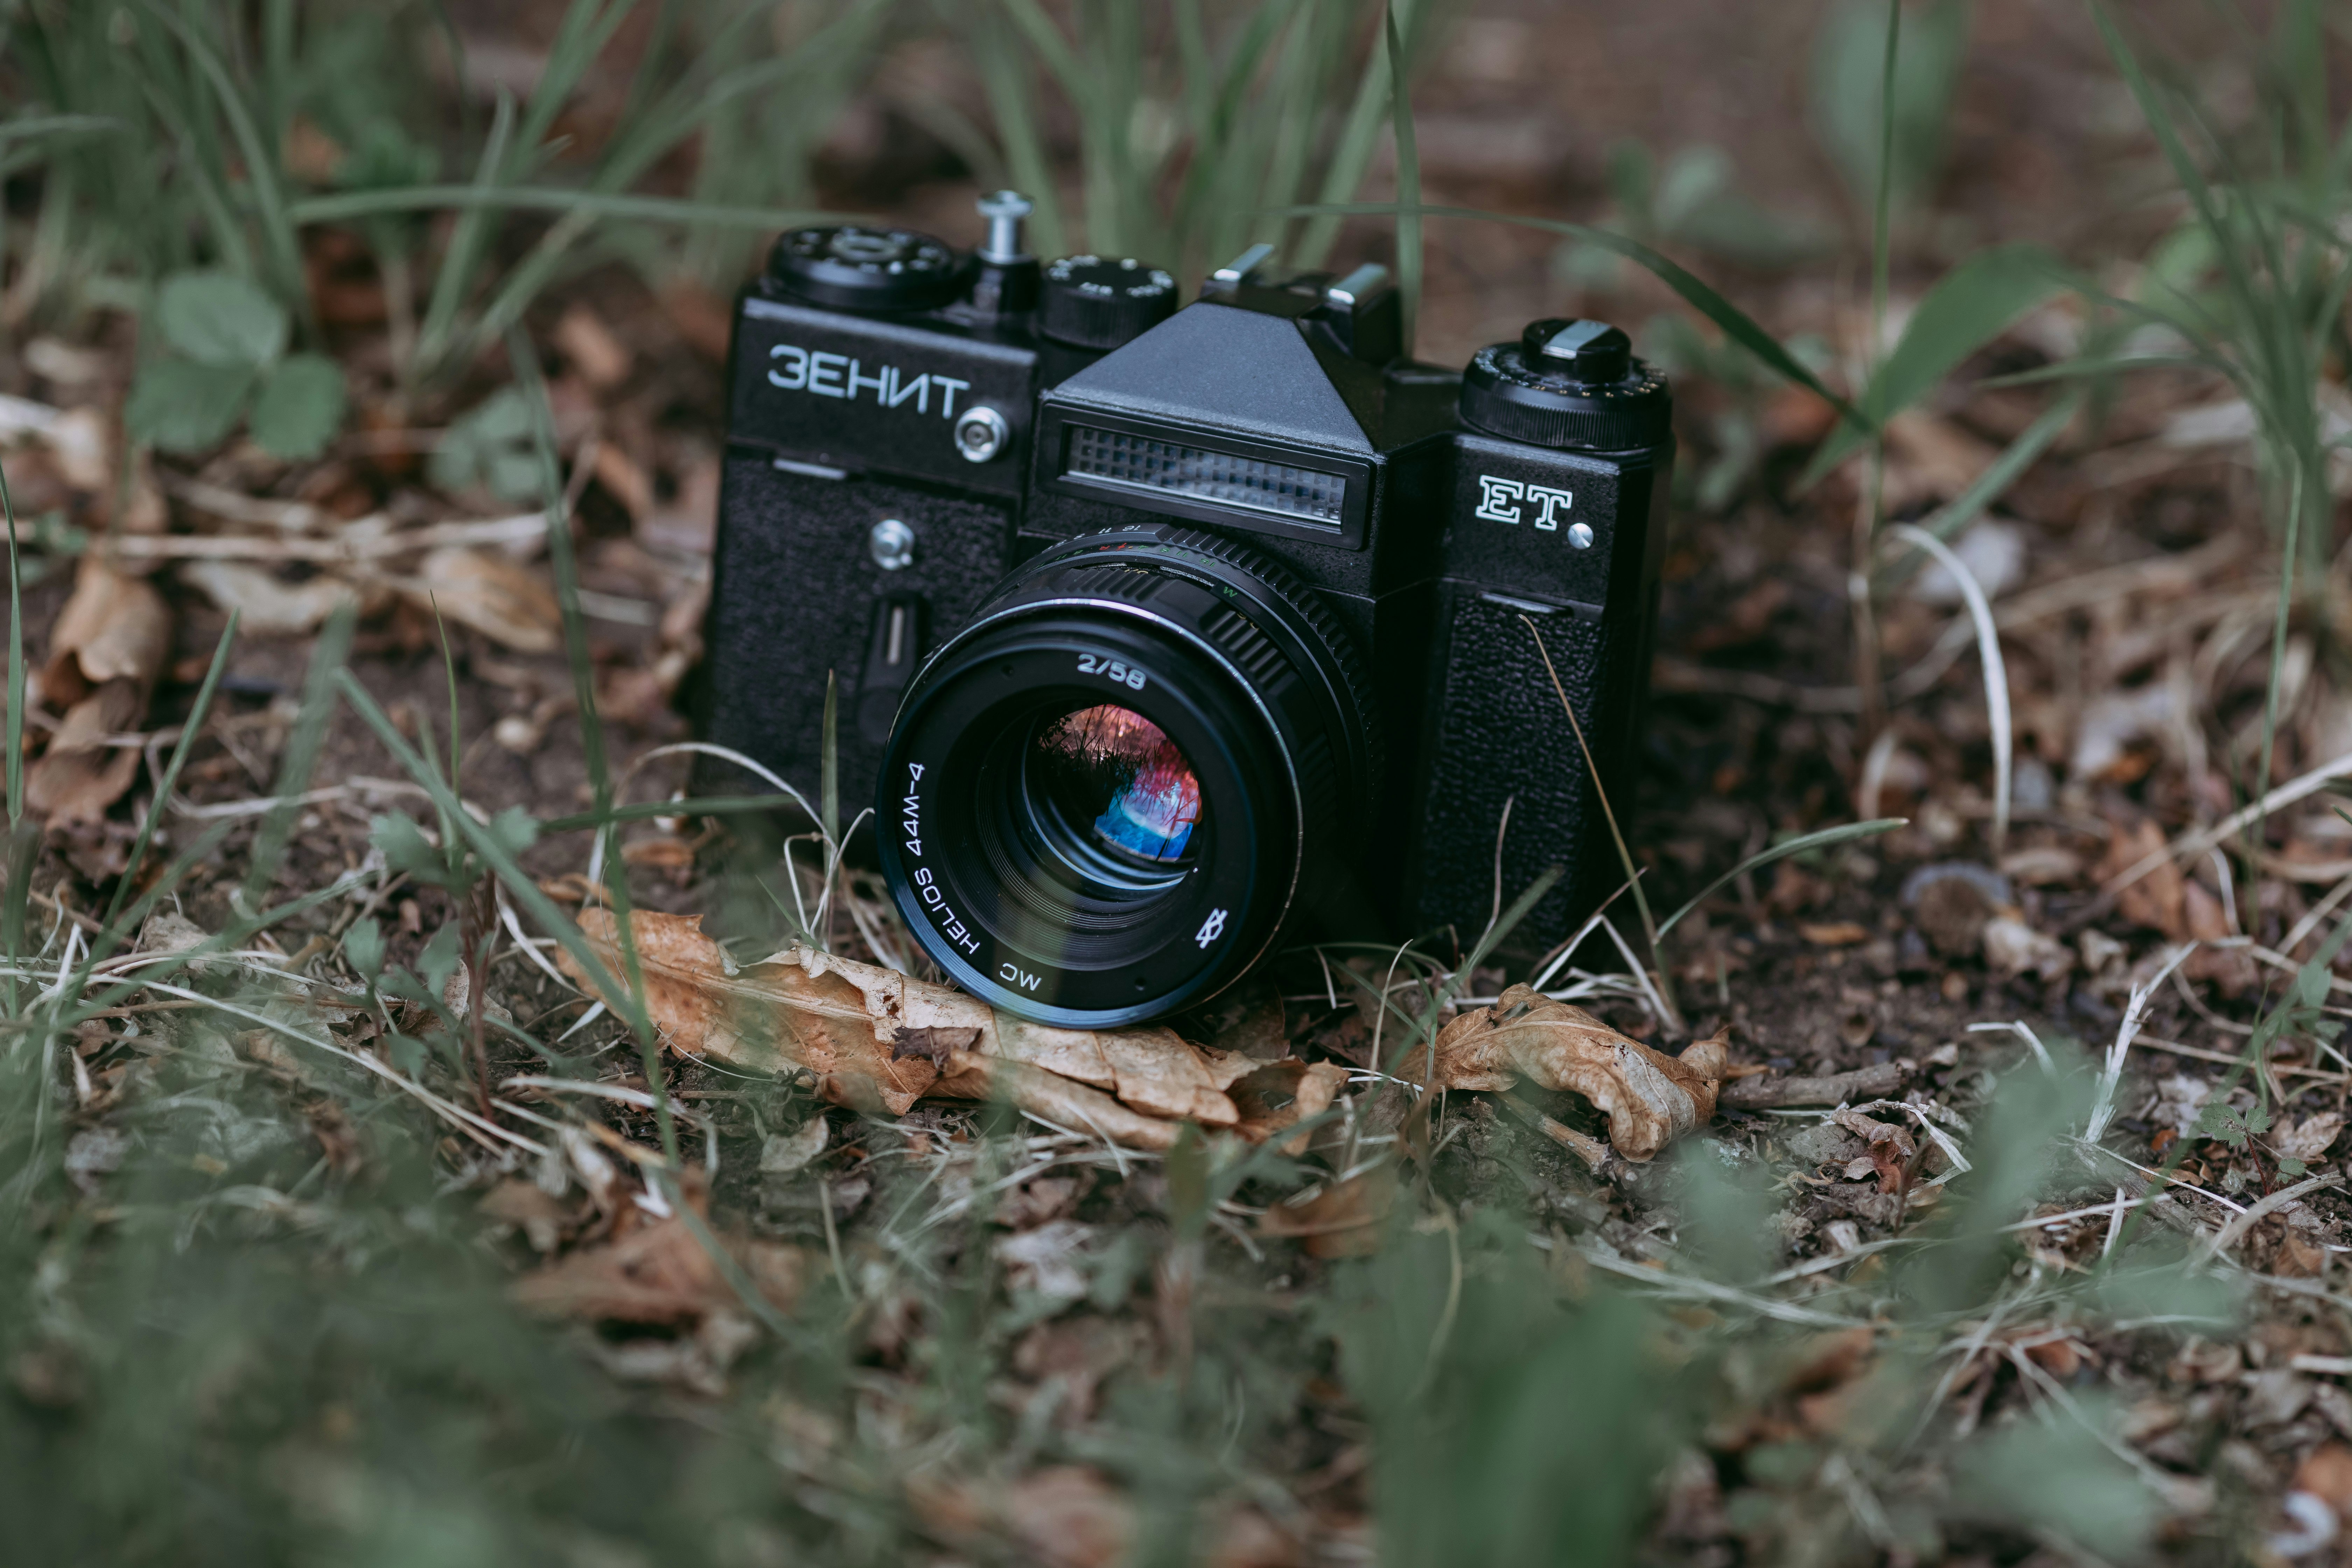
892, 544
980, 433
1580, 536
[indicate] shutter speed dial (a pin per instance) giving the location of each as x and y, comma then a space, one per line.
1573, 384
856, 267
1101, 302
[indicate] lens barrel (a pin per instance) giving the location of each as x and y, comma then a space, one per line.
1104, 796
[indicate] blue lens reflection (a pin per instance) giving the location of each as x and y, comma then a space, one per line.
1114, 766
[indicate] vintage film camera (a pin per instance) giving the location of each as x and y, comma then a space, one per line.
1165, 637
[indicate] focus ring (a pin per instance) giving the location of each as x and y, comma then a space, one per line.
1331, 638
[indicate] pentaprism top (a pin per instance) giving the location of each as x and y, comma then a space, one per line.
1572, 384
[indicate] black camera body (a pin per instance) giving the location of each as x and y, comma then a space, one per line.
1162, 634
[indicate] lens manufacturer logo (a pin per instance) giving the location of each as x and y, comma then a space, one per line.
823, 374
1507, 501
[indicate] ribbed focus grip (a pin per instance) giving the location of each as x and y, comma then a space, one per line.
1504, 395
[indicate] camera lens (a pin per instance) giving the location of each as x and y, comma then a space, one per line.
1117, 772
1102, 799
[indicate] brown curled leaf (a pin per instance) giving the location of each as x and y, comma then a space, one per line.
107, 650
1650, 1098
1065, 1102
768, 1018
879, 1039
659, 1272
1341, 1219
1280, 1095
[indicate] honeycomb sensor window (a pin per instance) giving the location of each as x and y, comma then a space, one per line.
1168, 468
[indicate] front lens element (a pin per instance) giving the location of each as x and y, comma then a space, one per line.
1117, 772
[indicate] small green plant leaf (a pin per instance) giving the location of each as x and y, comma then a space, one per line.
514, 829
363, 947
2288, 1166
405, 849
438, 961
1967, 308
492, 448
219, 319
2217, 1120
301, 407
182, 405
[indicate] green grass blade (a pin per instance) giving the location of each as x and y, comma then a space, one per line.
1993, 483
1425, 1028
18, 894
524, 888
1967, 308
1798, 845
344, 206
591, 727
467, 240
277, 231
33, 127
1343, 176
1882, 246
16, 681
1408, 156
829, 764
189, 728
1735, 323
301, 755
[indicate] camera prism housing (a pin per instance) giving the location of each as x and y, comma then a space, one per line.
1165, 637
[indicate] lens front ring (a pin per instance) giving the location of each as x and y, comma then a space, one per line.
1140, 867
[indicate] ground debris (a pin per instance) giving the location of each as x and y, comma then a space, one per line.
656, 1272
879, 1039
107, 650
1649, 1097
1879, 1082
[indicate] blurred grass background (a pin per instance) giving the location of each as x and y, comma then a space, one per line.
255, 1312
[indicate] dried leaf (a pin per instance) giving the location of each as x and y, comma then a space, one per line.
2159, 899
1649, 1097
266, 605
770, 1018
79, 776
114, 628
2309, 1139
1052, 1097
1282, 1094
628, 483
1066, 1516
2326, 1474
1341, 1219
2230, 968
106, 651
603, 361
783, 1152
657, 1273
1889, 1147
878, 1038
503, 599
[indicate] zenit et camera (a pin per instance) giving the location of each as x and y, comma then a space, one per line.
1165, 637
